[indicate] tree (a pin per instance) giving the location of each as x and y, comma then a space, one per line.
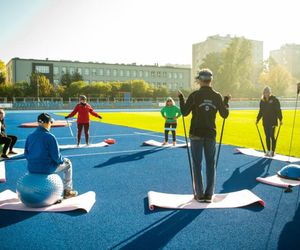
125, 87
278, 78
139, 88
214, 62
75, 89
160, 92
115, 89
6, 90
76, 77
22, 89
67, 78
40, 85
97, 89
233, 68
2, 72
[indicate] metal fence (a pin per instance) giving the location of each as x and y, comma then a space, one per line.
53, 103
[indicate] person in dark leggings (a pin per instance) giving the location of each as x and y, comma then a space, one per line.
270, 112
83, 120
204, 104
8, 140
170, 112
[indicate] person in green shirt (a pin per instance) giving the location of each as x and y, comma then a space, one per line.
170, 112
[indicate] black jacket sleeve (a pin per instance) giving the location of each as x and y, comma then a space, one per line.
278, 110
260, 113
186, 107
223, 107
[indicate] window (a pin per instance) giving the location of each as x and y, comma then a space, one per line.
72, 70
146, 73
164, 74
175, 75
93, 72
108, 72
121, 72
63, 70
101, 72
55, 70
127, 73
140, 73
133, 72
86, 72
42, 69
56, 82
180, 75
170, 75
152, 73
158, 73
115, 72
79, 70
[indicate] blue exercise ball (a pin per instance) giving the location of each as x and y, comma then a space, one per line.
39, 190
291, 171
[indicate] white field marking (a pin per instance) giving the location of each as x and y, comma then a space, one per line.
103, 153
93, 136
160, 136
114, 152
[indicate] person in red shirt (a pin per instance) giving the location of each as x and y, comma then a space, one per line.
83, 120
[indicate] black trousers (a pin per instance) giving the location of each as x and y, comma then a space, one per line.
170, 127
9, 141
270, 137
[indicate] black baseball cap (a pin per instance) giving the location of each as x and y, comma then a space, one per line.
204, 75
45, 118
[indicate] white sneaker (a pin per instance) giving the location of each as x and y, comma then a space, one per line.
271, 153
267, 153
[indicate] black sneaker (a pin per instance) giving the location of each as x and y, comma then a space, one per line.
199, 198
4, 156
208, 198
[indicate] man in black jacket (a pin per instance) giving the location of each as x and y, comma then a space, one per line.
204, 105
270, 112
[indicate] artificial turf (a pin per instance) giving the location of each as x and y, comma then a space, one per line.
240, 129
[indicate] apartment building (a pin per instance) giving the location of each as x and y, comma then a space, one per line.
288, 56
218, 43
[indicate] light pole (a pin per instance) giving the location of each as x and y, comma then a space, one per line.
37, 91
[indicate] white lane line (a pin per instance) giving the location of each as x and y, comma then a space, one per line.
113, 135
159, 136
113, 152
93, 136
104, 153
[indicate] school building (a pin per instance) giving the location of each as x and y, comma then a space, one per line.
170, 76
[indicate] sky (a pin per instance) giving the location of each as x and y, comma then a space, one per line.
138, 31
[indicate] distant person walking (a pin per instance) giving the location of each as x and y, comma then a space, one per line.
83, 120
171, 113
204, 105
270, 112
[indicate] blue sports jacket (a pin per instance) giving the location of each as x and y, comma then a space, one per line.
42, 152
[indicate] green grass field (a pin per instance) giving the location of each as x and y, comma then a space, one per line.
240, 129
